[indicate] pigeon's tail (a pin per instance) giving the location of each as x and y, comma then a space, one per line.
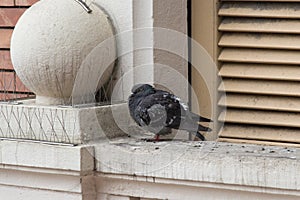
203, 119
200, 136
192, 125
204, 128
200, 118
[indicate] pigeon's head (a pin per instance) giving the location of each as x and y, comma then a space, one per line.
142, 88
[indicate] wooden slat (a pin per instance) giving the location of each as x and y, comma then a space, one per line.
231, 140
260, 102
279, 119
263, 9
261, 133
260, 56
258, 40
260, 25
261, 87
260, 67
260, 71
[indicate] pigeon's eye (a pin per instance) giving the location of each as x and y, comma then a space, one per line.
138, 90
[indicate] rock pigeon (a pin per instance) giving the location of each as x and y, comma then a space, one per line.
159, 112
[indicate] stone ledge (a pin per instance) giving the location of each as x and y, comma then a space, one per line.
43, 171
27, 156
193, 168
211, 162
148, 188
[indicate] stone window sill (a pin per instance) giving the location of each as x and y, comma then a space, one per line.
125, 165
266, 167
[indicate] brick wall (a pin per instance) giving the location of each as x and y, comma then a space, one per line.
10, 85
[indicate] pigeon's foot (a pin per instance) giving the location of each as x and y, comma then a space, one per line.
154, 140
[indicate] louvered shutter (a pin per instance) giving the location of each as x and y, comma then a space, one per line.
260, 67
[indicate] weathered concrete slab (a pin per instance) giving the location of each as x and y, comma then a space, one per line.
225, 163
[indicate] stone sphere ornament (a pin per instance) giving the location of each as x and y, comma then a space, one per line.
50, 43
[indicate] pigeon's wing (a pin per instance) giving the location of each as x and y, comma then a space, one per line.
162, 110
199, 118
157, 114
179, 116
145, 110
186, 112
141, 116
158, 109
173, 108
151, 115
174, 99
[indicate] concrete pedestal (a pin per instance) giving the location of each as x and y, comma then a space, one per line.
29, 121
